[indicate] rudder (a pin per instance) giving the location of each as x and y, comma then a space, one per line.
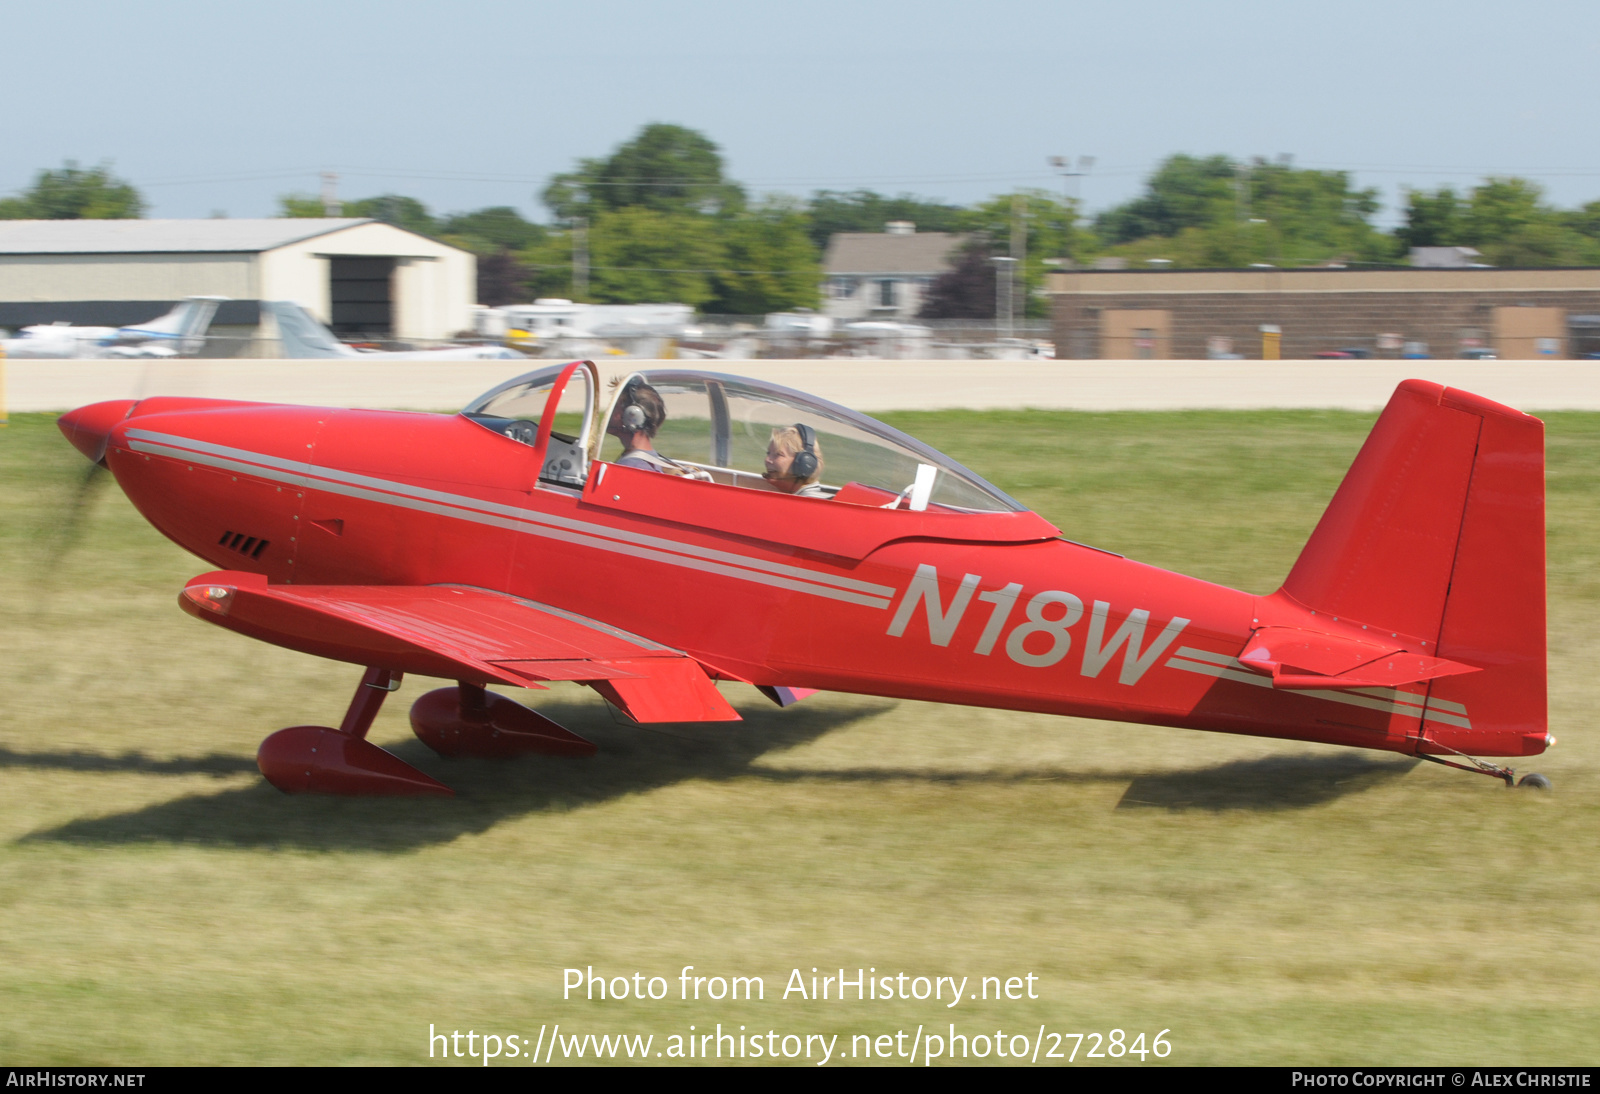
1436, 534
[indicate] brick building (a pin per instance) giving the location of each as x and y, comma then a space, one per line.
1189, 314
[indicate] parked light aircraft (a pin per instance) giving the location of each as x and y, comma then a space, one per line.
301, 335
179, 333
491, 547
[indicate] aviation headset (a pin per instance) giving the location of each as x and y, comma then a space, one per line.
633, 416
804, 464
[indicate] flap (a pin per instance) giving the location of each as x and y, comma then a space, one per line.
462, 633
674, 691
1299, 659
833, 527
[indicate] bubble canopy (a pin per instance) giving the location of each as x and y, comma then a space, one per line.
720, 427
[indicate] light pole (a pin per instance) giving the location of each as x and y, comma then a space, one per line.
1069, 192
1004, 272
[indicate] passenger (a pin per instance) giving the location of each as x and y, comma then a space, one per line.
794, 461
634, 421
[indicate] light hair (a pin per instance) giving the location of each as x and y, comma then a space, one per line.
789, 442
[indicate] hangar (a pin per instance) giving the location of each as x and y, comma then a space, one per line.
360, 276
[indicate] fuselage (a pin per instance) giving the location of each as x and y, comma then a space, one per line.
990, 610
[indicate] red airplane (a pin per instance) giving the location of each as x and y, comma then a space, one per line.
748, 532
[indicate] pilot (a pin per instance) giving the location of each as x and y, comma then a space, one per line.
634, 421
794, 461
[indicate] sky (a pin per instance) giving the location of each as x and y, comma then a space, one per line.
221, 107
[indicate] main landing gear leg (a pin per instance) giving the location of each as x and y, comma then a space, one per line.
319, 760
466, 720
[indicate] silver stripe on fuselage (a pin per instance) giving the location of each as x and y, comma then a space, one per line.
1391, 701
422, 499
313, 471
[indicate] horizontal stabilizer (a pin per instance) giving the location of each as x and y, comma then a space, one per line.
1299, 659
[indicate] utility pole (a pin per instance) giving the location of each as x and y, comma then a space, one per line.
580, 258
1019, 252
331, 205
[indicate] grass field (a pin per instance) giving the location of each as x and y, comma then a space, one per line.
1264, 902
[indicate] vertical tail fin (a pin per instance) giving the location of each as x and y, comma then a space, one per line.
301, 335
186, 324
1437, 535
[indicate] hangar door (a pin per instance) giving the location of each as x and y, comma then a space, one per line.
1526, 334
1135, 334
361, 295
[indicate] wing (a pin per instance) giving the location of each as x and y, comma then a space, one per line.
463, 633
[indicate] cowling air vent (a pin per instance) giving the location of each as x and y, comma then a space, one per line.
249, 546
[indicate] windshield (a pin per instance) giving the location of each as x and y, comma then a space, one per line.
516, 408
729, 429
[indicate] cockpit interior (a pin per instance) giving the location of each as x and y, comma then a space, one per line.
735, 432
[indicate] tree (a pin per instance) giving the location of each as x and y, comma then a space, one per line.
547, 266
865, 211
665, 168
664, 224
1050, 231
490, 230
1185, 192
1507, 220
397, 209
76, 193
494, 235
640, 255
1433, 220
300, 206
967, 290
1311, 216
1214, 212
768, 262
502, 279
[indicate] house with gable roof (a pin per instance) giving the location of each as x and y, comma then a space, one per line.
884, 275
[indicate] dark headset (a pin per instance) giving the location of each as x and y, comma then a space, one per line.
804, 464
633, 416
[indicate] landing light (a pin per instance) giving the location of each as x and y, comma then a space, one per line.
212, 598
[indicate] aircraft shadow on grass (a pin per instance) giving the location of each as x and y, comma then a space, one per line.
1269, 783
1266, 785
632, 759
217, 764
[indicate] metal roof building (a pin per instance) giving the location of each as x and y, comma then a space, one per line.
359, 276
